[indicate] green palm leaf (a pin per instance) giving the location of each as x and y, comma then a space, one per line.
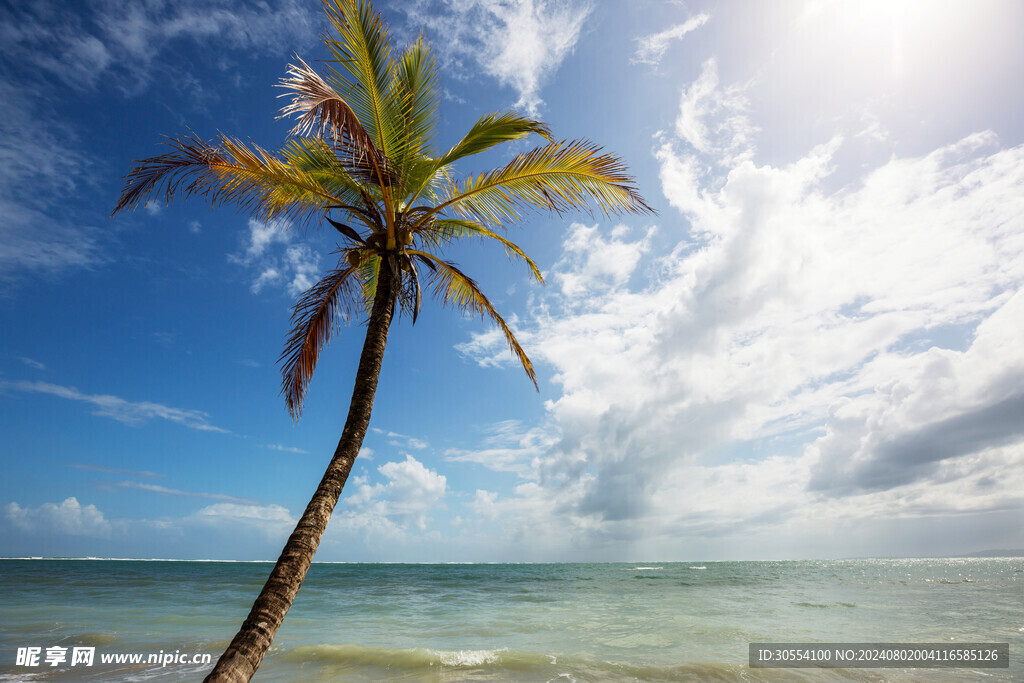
363, 48
254, 180
440, 232
454, 287
559, 176
415, 89
491, 130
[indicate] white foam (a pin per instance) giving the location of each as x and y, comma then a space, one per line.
644, 569
469, 657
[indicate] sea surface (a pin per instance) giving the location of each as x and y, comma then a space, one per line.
689, 621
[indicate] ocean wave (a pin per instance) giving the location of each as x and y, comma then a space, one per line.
359, 662
412, 658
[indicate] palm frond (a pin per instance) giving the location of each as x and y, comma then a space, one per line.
424, 180
347, 231
444, 230
362, 46
322, 110
369, 269
560, 176
415, 278
342, 175
314, 318
415, 90
491, 130
254, 180
454, 287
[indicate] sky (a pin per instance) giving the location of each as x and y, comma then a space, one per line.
812, 350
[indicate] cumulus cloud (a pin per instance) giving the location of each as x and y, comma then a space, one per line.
927, 410
404, 500
592, 263
267, 250
519, 43
272, 522
713, 121
650, 49
69, 517
117, 408
246, 512
508, 446
234, 528
805, 351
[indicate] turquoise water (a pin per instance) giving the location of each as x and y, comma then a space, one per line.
511, 622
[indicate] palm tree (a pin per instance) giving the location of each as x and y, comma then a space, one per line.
361, 159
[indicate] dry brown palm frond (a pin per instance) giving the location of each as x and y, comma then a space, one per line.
322, 110
314, 318
252, 179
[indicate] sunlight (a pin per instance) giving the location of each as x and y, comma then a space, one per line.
889, 48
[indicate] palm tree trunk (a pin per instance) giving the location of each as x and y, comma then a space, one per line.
243, 656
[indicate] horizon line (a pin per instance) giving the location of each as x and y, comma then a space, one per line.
980, 555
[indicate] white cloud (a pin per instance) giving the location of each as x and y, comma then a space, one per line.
115, 470
32, 363
811, 356
304, 267
405, 500
713, 120
113, 42
119, 409
271, 521
285, 449
69, 517
235, 529
40, 159
652, 48
508, 447
177, 493
401, 440
490, 349
269, 275
247, 512
124, 38
591, 263
518, 42
267, 249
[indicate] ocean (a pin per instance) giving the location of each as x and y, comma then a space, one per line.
672, 621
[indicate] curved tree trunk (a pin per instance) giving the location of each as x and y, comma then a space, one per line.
243, 656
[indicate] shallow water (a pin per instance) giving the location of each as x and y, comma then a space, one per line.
511, 622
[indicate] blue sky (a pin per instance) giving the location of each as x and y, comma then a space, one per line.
811, 351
